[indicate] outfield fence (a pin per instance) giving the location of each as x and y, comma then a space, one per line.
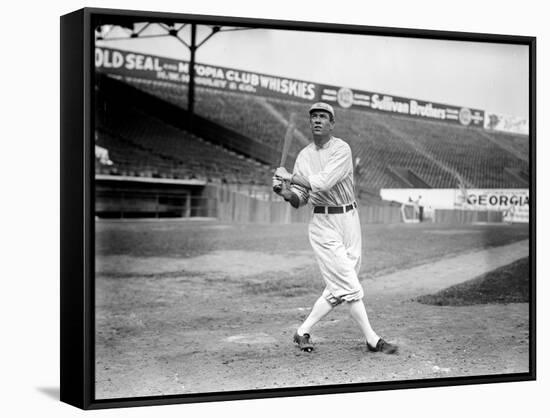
458, 216
226, 203
238, 207
251, 204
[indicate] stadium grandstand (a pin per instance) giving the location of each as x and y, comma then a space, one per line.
233, 141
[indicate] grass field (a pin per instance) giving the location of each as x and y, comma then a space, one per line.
508, 284
196, 306
385, 247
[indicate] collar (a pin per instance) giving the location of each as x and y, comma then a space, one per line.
326, 144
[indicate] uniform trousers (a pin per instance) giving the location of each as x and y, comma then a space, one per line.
336, 242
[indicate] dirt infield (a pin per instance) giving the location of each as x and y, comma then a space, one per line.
206, 307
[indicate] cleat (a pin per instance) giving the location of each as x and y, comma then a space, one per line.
383, 347
304, 342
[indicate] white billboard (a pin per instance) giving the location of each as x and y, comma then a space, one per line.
514, 203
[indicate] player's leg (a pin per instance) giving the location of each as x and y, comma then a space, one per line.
320, 309
352, 238
352, 241
374, 342
359, 314
319, 234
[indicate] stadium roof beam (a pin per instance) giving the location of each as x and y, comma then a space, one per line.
139, 32
134, 36
233, 29
171, 31
214, 30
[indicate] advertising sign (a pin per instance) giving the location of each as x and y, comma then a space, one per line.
149, 67
514, 203
346, 98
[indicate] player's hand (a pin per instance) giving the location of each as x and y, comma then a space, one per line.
277, 185
280, 186
282, 174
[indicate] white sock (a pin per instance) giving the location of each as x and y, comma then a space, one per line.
359, 314
319, 310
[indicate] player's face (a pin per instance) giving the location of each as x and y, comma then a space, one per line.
320, 123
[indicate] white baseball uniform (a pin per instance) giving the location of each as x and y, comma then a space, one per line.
335, 237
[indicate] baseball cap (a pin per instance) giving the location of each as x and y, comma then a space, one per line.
322, 106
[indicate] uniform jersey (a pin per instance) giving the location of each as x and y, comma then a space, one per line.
329, 170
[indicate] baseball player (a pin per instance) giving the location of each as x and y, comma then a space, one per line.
323, 177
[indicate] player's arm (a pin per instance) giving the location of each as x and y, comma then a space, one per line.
290, 196
300, 181
295, 195
337, 168
296, 178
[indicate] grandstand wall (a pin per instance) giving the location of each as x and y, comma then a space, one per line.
128, 197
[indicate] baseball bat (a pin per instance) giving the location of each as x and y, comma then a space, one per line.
289, 134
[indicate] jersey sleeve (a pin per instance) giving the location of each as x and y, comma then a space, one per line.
301, 192
336, 169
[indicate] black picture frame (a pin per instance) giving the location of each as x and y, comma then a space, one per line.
77, 207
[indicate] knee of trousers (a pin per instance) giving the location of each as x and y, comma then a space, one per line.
336, 300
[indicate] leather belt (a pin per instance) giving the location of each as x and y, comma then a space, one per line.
334, 209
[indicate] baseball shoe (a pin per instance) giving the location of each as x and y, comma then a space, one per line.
383, 347
304, 342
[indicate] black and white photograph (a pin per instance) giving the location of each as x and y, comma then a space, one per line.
281, 208
163, 168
